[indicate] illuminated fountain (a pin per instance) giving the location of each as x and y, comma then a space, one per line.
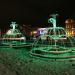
13, 37
53, 43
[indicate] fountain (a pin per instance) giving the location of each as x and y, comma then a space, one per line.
53, 43
13, 37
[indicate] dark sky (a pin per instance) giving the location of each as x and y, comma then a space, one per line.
35, 12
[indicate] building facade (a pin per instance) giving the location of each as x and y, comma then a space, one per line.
70, 27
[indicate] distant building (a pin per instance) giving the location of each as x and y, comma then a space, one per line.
70, 27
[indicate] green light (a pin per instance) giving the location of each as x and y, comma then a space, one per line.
14, 37
53, 43
13, 25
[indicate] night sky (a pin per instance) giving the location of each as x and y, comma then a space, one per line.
34, 12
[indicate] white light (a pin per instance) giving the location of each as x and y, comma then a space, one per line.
9, 32
23, 38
